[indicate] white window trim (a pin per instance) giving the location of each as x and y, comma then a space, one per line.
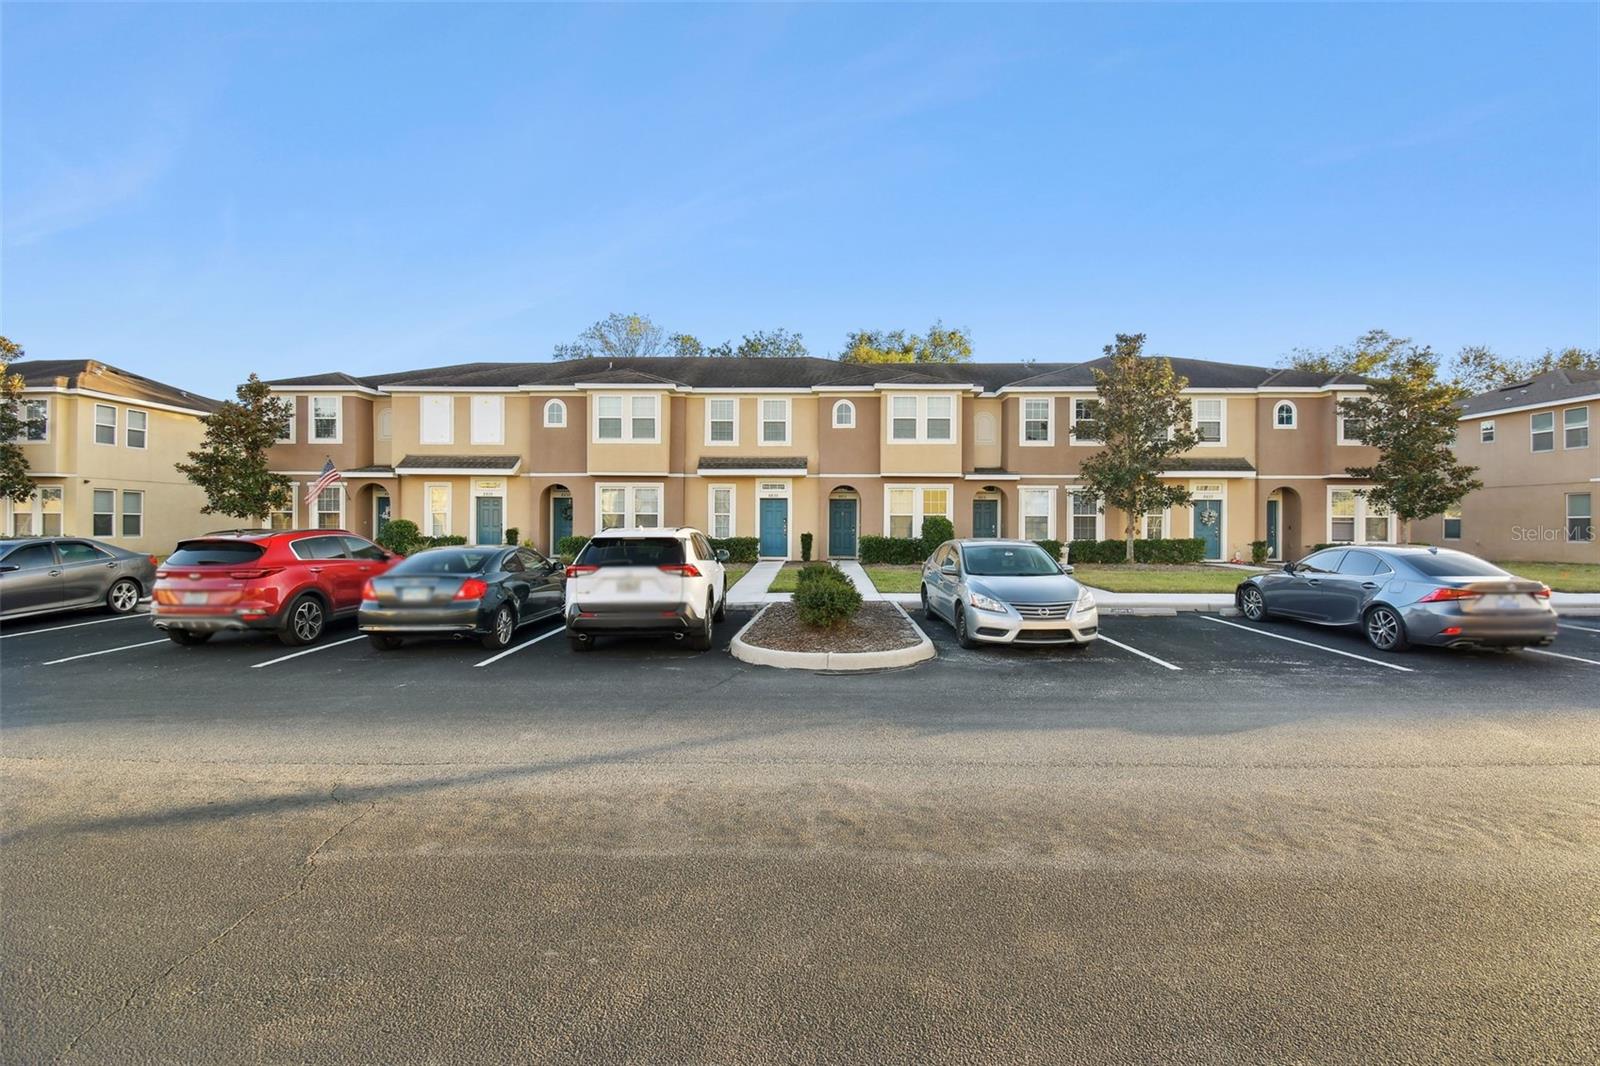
33, 507
1049, 422
316, 512
630, 506
842, 405
1072, 423
22, 412
294, 416
1294, 414
1452, 514
737, 405
1568, 516
1486, 427
338, 421
1339, 418
1564, 427
498, 425
1553, 430
427, 507
918, 502
1166, 524
711, 510
1360, 529
921, 402
627, 437
93, 514
122, 515
94, 426
762, 420
551, 406
449, 402
294, 498
1050, 494
475, 492
1071, 516
1222, 421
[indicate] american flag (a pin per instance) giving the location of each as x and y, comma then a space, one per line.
329, 475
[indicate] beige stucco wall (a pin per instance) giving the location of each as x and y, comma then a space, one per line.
356, 432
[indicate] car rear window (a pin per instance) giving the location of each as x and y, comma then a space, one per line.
1453, 564
631, 551
214, 553
443, 561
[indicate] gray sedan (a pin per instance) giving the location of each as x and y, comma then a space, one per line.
1006, 592
1406, 595
41, 574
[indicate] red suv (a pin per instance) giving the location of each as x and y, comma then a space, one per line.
291, 582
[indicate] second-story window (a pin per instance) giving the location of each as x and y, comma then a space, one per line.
105, 424
1575, 424
555, 414
722, 420
1036, 420
941, 418
36, 420
138, 428
293, 404
903, 417
774, 421
643, 425
844, 415
1486, 431
1283, 415
325, 419
922, 418
1543, 425
1084, 412
438, 420
488, 419
626, 418
1208, 420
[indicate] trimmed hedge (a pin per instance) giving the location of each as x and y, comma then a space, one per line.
1052, 548
569, 547
1158, 550
513, 535
452, 541
739, 549
892, 551
400, 536
1258, 552
824, 597
805, 547
936, 529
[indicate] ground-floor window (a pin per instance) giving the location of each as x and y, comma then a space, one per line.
1155, 525
1085, 517
1350, 514
908, 505
105, 513
1452, 523
1580, 517
39, 515
722, 511
330, 508
1038, 516
132, 514
438, 510
630, 506
283, 517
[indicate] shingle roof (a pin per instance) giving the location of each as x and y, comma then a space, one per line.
752, 462
102, 377
1557, 386
459, 462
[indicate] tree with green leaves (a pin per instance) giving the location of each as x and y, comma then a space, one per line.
1371, 350
771, 344
1409, 415
15, 484
939, 345
1143, 421
231, 463
619, 336
1477, 368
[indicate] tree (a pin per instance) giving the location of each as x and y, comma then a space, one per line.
938, 345
685, 346
1478, 369
1409, 415
1143, 421
617, 336
15, 484
231, 463
776, 344
1371, 350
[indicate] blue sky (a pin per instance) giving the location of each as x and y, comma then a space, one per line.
195, 192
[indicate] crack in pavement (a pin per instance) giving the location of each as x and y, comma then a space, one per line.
308, 865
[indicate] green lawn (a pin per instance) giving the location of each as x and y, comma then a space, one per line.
896, 578
1563, 577
735, 571
1153, 578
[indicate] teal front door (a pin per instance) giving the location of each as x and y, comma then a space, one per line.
985, 518
491, 520
560, 521
775, 529
1272, 530
1208, 526
842, 528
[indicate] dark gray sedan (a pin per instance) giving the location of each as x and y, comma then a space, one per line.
488, 593
1410, 595
40, 574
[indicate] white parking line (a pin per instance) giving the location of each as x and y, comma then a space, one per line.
308, 651
1141, 654
1586, 629
108, 651
75, 625
511, 651
1558, 655
1307, 643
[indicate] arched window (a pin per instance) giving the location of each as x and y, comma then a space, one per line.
844, 415
555, 413
1284, 415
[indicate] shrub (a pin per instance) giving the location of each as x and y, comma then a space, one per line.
891, 551
1258, 552
452, 541
400, 536
818, 571
513, 535
1319, 547
1174, 550
824, 597
936, 529
739, 549
569, 547
1052, 548
805, 547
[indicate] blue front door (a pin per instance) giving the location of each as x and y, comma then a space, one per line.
1208, 526
775, 529
491, 520
985, 518
1272, 530
842, 528
560, 521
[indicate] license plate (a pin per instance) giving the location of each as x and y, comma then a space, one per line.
626, 585
1510, 602
194, 597
413, 595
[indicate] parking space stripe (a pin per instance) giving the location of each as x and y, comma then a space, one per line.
511, 651
308, 651
75, 625
107, 651
1586, 629
1558, 655
1307, 643
1141, 654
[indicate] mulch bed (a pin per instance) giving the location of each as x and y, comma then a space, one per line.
876, 627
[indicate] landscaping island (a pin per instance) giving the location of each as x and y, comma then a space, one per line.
828, 627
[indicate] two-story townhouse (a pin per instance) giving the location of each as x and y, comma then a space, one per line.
1533, 444
102, 446
775, 448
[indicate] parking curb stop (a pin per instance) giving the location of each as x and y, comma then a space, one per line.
839, 661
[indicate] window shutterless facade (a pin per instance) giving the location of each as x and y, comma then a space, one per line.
555, 414
774, 421
1084, 411
283, 517
905, 507
722, 420
330, 508
293, 404
1038, 513
1284, 415
1208, 421
1542, 430
921, 419
438, 508
105, 424
1155, 525
488, 419
1486, 431
138, 431
844, 415
1575, 427
105, 513
721, 524
1452, 523
39, 515
1038, 425
1580, 517
1354, 519
630, 506
325, 419
621, 419
1086, 517
132, 513
36, 421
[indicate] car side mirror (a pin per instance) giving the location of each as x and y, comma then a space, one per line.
1288, 568
722, 555
1066, 568
948, 568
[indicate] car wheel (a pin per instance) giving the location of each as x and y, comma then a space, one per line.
304, 621
1385, 631
927, 608
502, 630
722, 607
701, 641
580, 644
123, 596
383, 641
962, 636
1252, 603
187, 637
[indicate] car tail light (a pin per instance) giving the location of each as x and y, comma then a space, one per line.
579, 571
251, 575
472, 589
1442, 595
1543, 593
155, 560
368, 592
681, 569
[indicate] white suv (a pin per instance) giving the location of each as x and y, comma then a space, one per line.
646, 581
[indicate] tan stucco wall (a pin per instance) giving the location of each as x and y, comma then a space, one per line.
356, 431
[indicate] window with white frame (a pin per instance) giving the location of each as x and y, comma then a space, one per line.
555, 414
927, 419
35, 416
1351, 430
132, 513
104, 515
488, 419
1580, 517
1038, 513
722, 420
1155, 525
138, 431
1038, 425
722, 511
1575, 424
386, 423
105, 424
1085, 516
902, 511
330, 508
325, 411
283, 517
1452, 523
293, 404
774, 421
1542, 426
908, 505
438, 420
844, 415
1355, 519
940, 423
903, 417
1208, 419
1486, 431
626, 419
631, 506
438, 510
50, 511
642, 426
1084, 410
1284, 415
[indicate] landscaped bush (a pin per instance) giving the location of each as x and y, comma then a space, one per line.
1319, 547
1172, 550
805, 547
892, 551
569, 547
936, 529
513, 535
1258, 552
824, 597
401, 536
1051, 548
739, 549
454, 540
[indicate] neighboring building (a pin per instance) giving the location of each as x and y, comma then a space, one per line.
1534, 446
773, 448
101, 445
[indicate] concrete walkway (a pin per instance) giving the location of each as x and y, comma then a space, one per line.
751, 590
858, 577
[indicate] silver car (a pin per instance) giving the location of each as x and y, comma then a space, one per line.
1406, 595
1006, 592
40, 574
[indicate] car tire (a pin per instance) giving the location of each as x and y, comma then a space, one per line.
722, 607
580, 644
123, 595
1252, 604
187, 637
927, 608
703, 640
963, 637
383, 641
502, 630
1384, 628
303, 622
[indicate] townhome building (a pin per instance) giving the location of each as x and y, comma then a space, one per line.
1533, 444
775, 448
101, 445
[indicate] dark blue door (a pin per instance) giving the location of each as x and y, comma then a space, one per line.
560, 521
842, 528
985, 518
1208, 526
775, 529
1272, 529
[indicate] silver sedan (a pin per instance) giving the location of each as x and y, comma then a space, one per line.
40, 574
1006, 592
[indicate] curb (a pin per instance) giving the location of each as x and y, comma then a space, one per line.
840, 661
